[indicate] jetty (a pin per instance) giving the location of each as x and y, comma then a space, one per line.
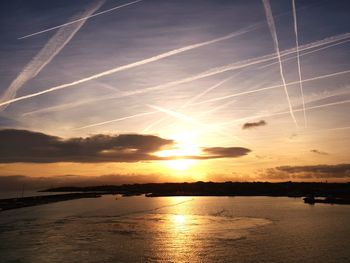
14, 203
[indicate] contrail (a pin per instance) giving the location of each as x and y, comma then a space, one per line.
116, 120
152, 112
298, 59
192, 121
193, 99
212, 72
175, 114
308, 52
285, 112
45, 55
212, 100
132, 65
273, 32
80, 19
150, 126
272, 87
188, 102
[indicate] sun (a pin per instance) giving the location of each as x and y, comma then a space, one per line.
185, 146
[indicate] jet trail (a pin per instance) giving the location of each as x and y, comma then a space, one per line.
308, 52
45, 55
193, 99
132, 65
152, 112
116, 120
80, 19
298, 59
185, 118
285, 112
188, 102
272, 87
211, 100
150, 126
273, 32
212, 72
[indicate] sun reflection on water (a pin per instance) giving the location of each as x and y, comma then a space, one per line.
179, 219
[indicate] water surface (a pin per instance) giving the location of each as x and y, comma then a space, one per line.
177, 229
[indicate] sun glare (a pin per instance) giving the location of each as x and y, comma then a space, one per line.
179, 219
185, 147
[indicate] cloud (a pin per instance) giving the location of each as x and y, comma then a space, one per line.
321, 168
34, 147
250, 125
318, 152
321, 171
225, 152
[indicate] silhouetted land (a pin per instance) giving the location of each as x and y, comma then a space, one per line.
333, 193
290, 189
14, 203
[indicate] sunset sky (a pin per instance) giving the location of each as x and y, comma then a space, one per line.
107, 91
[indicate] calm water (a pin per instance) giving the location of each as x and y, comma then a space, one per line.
176, 229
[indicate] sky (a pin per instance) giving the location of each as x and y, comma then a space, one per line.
107, 91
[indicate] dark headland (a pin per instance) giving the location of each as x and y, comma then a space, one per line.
289, 189
15, 203
333, 193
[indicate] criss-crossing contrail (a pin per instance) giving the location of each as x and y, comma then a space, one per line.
298, 59
285, 112
133, 65
80, 19
308, 52
188, 119
195, 98
191, 100
212, 72
272, 27
46, 54
152, 112
271, 87
212, 100
116, 120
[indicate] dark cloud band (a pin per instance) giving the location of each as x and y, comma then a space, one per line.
34, 147
250, 125
321, 171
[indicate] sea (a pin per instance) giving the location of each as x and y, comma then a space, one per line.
176, 229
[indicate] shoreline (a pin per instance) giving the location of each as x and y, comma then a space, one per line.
16, 203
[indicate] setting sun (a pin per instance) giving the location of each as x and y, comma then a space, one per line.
185, 148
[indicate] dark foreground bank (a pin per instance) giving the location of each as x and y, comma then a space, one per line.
331, 193
289, 189
14, 203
